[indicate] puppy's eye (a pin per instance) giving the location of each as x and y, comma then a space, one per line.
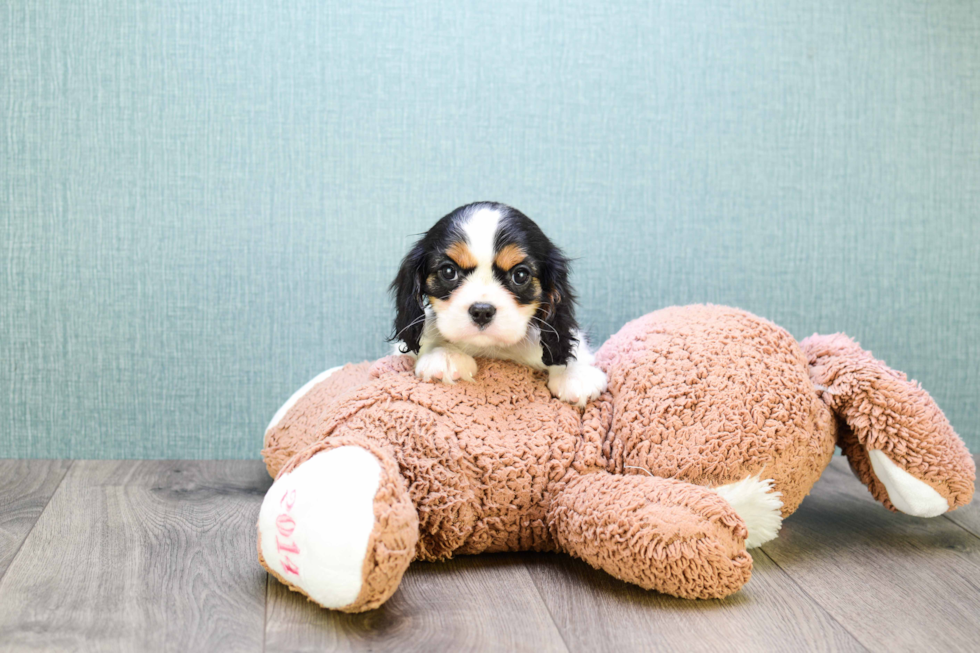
520, 276
448, 272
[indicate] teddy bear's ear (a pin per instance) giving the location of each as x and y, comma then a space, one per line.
407, 292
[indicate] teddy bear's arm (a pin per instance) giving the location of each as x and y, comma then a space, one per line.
661, 534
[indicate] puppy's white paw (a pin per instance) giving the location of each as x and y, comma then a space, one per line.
576, 383
446, 365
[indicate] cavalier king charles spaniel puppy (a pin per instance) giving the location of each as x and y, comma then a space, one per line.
486, 281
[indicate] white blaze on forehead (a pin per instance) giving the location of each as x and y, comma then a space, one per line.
480, 229
453, 321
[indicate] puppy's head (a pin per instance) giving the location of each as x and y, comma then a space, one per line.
490, 276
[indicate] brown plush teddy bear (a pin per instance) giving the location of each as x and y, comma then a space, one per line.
715, 426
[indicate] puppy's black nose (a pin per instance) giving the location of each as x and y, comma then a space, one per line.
482, 313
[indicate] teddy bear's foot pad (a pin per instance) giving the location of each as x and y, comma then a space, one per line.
907, 493
316, 522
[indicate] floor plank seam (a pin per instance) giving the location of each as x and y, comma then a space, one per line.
20, 547
265, 614
551, 616
953, 521
813, 598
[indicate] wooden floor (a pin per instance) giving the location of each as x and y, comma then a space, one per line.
146, 556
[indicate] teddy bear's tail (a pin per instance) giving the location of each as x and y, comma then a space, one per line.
897, 440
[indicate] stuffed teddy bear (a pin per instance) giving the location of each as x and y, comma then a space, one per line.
715, 426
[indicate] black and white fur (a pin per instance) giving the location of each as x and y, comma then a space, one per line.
486, 281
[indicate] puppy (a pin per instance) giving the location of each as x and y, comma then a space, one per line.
486, 281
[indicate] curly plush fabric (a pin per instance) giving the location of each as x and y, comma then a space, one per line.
699, 397
682, 539
881, 410
480, 463
710, 395
301, 422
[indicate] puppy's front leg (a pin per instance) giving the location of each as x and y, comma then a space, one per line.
446, 363
576, 383
579, 381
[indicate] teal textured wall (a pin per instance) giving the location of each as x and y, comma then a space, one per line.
202, 201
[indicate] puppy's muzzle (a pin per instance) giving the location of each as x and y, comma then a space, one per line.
482, 314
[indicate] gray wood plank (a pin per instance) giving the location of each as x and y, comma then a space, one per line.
471, 603
26, 487
895, 582
161, 556
597, 612
141, 556
968, 517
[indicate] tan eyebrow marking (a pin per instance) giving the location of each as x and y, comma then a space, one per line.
509, 256
461, 254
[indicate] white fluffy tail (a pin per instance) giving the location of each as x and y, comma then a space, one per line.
758, 505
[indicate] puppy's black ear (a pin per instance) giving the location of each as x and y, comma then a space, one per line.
407, 291
558, 337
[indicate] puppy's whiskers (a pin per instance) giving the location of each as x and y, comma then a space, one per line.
541, 342
409, 326
545, 324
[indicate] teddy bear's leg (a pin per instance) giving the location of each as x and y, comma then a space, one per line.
297, 424
338, 525
661, 534
895, 437
299, 394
